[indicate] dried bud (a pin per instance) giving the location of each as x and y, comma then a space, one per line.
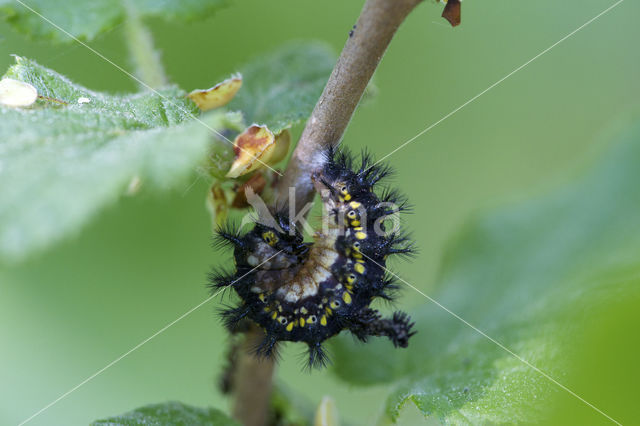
283, 141
252, 148
257, 147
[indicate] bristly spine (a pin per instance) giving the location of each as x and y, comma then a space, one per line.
308, 292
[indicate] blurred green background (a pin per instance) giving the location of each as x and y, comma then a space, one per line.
67, 312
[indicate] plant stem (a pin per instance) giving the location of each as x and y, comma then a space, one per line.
146, 60
360, 57
378, 22
252, 383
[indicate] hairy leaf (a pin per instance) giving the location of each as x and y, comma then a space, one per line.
87, 19
281, 88
534, 277
76, 150
169, 413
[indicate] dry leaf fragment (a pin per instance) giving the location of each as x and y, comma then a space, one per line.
253, 148
452, 12
257, 182
283, 141
16, 93
217, 96
257, 147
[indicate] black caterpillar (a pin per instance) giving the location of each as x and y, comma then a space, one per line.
308, 292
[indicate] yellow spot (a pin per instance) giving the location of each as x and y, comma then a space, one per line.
357, 255
354, 204
360, 260
346, 297
301, 322
349, 287
303, 310
358, 228
323, 320
347, 197
311, 319
267, 309
275, 314
290, 326
270, 238
359, 268
355, 223
335, 304
328, 311
261, 297
361, 235
351, 278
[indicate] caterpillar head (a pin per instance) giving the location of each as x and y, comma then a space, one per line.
346, 184
338, 192
271, 239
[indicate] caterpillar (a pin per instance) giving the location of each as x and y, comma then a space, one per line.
308, 292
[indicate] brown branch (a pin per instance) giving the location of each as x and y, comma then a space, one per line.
359, 59
360, 56
252, 383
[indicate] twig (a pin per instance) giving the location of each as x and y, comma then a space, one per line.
252, 383
360, 57
145, 58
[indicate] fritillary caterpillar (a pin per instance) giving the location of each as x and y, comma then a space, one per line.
309, 292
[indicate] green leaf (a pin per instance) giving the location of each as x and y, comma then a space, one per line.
610, 349
76, 151
87, 19
170, 413
534, 277
281, 88
290, 407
